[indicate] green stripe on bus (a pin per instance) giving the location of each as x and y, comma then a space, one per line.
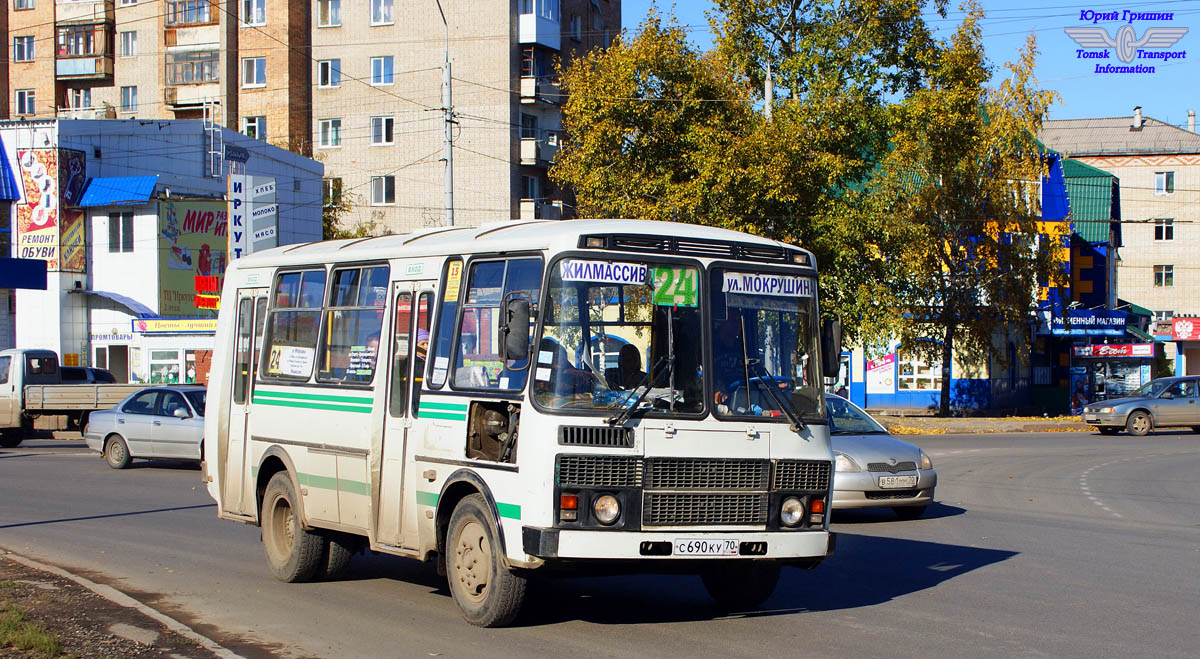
427, 498
336, 484
311, 406
509, 510
321, 397
434, 405
425, 414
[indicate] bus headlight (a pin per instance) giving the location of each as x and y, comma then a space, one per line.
606, 508
791, 513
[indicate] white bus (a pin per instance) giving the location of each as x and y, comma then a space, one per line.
528, 396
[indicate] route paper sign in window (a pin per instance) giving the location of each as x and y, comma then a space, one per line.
603, 272
768, 284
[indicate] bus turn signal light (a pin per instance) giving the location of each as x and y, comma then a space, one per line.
817, 506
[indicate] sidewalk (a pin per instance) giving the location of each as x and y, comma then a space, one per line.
932, 425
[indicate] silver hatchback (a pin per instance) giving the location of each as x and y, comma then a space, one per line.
873, 469
159, 422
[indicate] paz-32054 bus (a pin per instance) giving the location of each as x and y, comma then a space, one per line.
528, 396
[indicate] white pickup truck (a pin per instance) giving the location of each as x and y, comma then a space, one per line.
31, 386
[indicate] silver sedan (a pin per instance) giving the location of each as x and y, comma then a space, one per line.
873, 469
159, 422
1163, 402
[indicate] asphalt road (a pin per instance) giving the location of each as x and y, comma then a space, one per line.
1056, 544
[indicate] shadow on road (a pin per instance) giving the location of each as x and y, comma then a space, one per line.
877, 515
125, 514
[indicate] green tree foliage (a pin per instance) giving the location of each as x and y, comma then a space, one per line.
335, 207
961, 184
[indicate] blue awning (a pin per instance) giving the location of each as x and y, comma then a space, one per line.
133, 306
118, 191
8, 183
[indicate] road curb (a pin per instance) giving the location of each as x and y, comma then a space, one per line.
117, 597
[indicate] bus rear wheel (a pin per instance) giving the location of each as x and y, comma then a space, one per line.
293, 554
741, 586
487, 593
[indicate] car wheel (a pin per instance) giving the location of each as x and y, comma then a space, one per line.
1138, 424
487, 593
740, 586
909, 512
1108, 430
293, 553
116, 452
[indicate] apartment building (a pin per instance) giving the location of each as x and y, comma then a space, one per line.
377, 97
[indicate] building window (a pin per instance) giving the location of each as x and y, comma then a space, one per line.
576, 28
25, 101
381, 130
1164, 315
382, 72
255, 126
78, 40
597, 18
129, 44
1164, 183
333, 190
1164, 275
126, 3
120, 232
529, 126
22, 4
254, 72
914, 374
547, 9
254, 12
330, 133
129, 100
381, 12
329, 13
1164, 229
79, 98
23, 49
193, 67
188, 12
329, 73
383, 190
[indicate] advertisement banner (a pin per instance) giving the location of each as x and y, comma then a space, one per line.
37, 216
191, 241
1115, 350
173, 325
72, 178
1090, 322
1185, 329
253, 213
881, 375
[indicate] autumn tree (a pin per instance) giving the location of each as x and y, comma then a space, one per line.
961, 184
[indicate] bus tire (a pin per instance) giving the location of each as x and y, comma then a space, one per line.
740, 586
116, 452
487, 593
337, 557
293, 554
11, 439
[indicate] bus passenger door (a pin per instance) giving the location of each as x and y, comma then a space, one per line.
410, 338
251, 314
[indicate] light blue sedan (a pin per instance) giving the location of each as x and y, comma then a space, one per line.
164, 422
873, 469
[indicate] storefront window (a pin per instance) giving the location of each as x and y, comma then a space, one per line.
164, 367
917, 375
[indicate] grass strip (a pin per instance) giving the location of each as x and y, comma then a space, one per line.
21, 634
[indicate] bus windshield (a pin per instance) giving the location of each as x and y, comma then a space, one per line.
621, 334
764, 328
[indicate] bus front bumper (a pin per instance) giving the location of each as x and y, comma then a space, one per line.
804, 547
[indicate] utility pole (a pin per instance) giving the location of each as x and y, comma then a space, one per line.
768, 93
448, 129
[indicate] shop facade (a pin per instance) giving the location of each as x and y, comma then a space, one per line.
1104, 371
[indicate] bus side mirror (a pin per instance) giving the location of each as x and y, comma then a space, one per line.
515, 330
831, 346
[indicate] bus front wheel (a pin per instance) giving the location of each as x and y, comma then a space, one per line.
293, 553
487, 593
741, 586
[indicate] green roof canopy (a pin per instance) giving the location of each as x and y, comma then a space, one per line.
1091, 193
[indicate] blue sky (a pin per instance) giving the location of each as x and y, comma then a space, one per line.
1166, 94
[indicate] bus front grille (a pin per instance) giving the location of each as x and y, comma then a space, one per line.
595, 436
695, 509
599, 471
802, 475
706, 474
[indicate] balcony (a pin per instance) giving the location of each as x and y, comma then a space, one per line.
539, 90
539, 22
88, 67
541, 209
83, 51
105, 112
539, 151
83, 10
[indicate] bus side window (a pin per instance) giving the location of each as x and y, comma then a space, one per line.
241, 367
400, 352
447, 315
420, 347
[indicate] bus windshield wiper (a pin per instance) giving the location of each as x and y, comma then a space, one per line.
623, 416
797, 424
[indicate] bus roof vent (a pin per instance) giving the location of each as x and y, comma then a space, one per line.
595, 436
702, 247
